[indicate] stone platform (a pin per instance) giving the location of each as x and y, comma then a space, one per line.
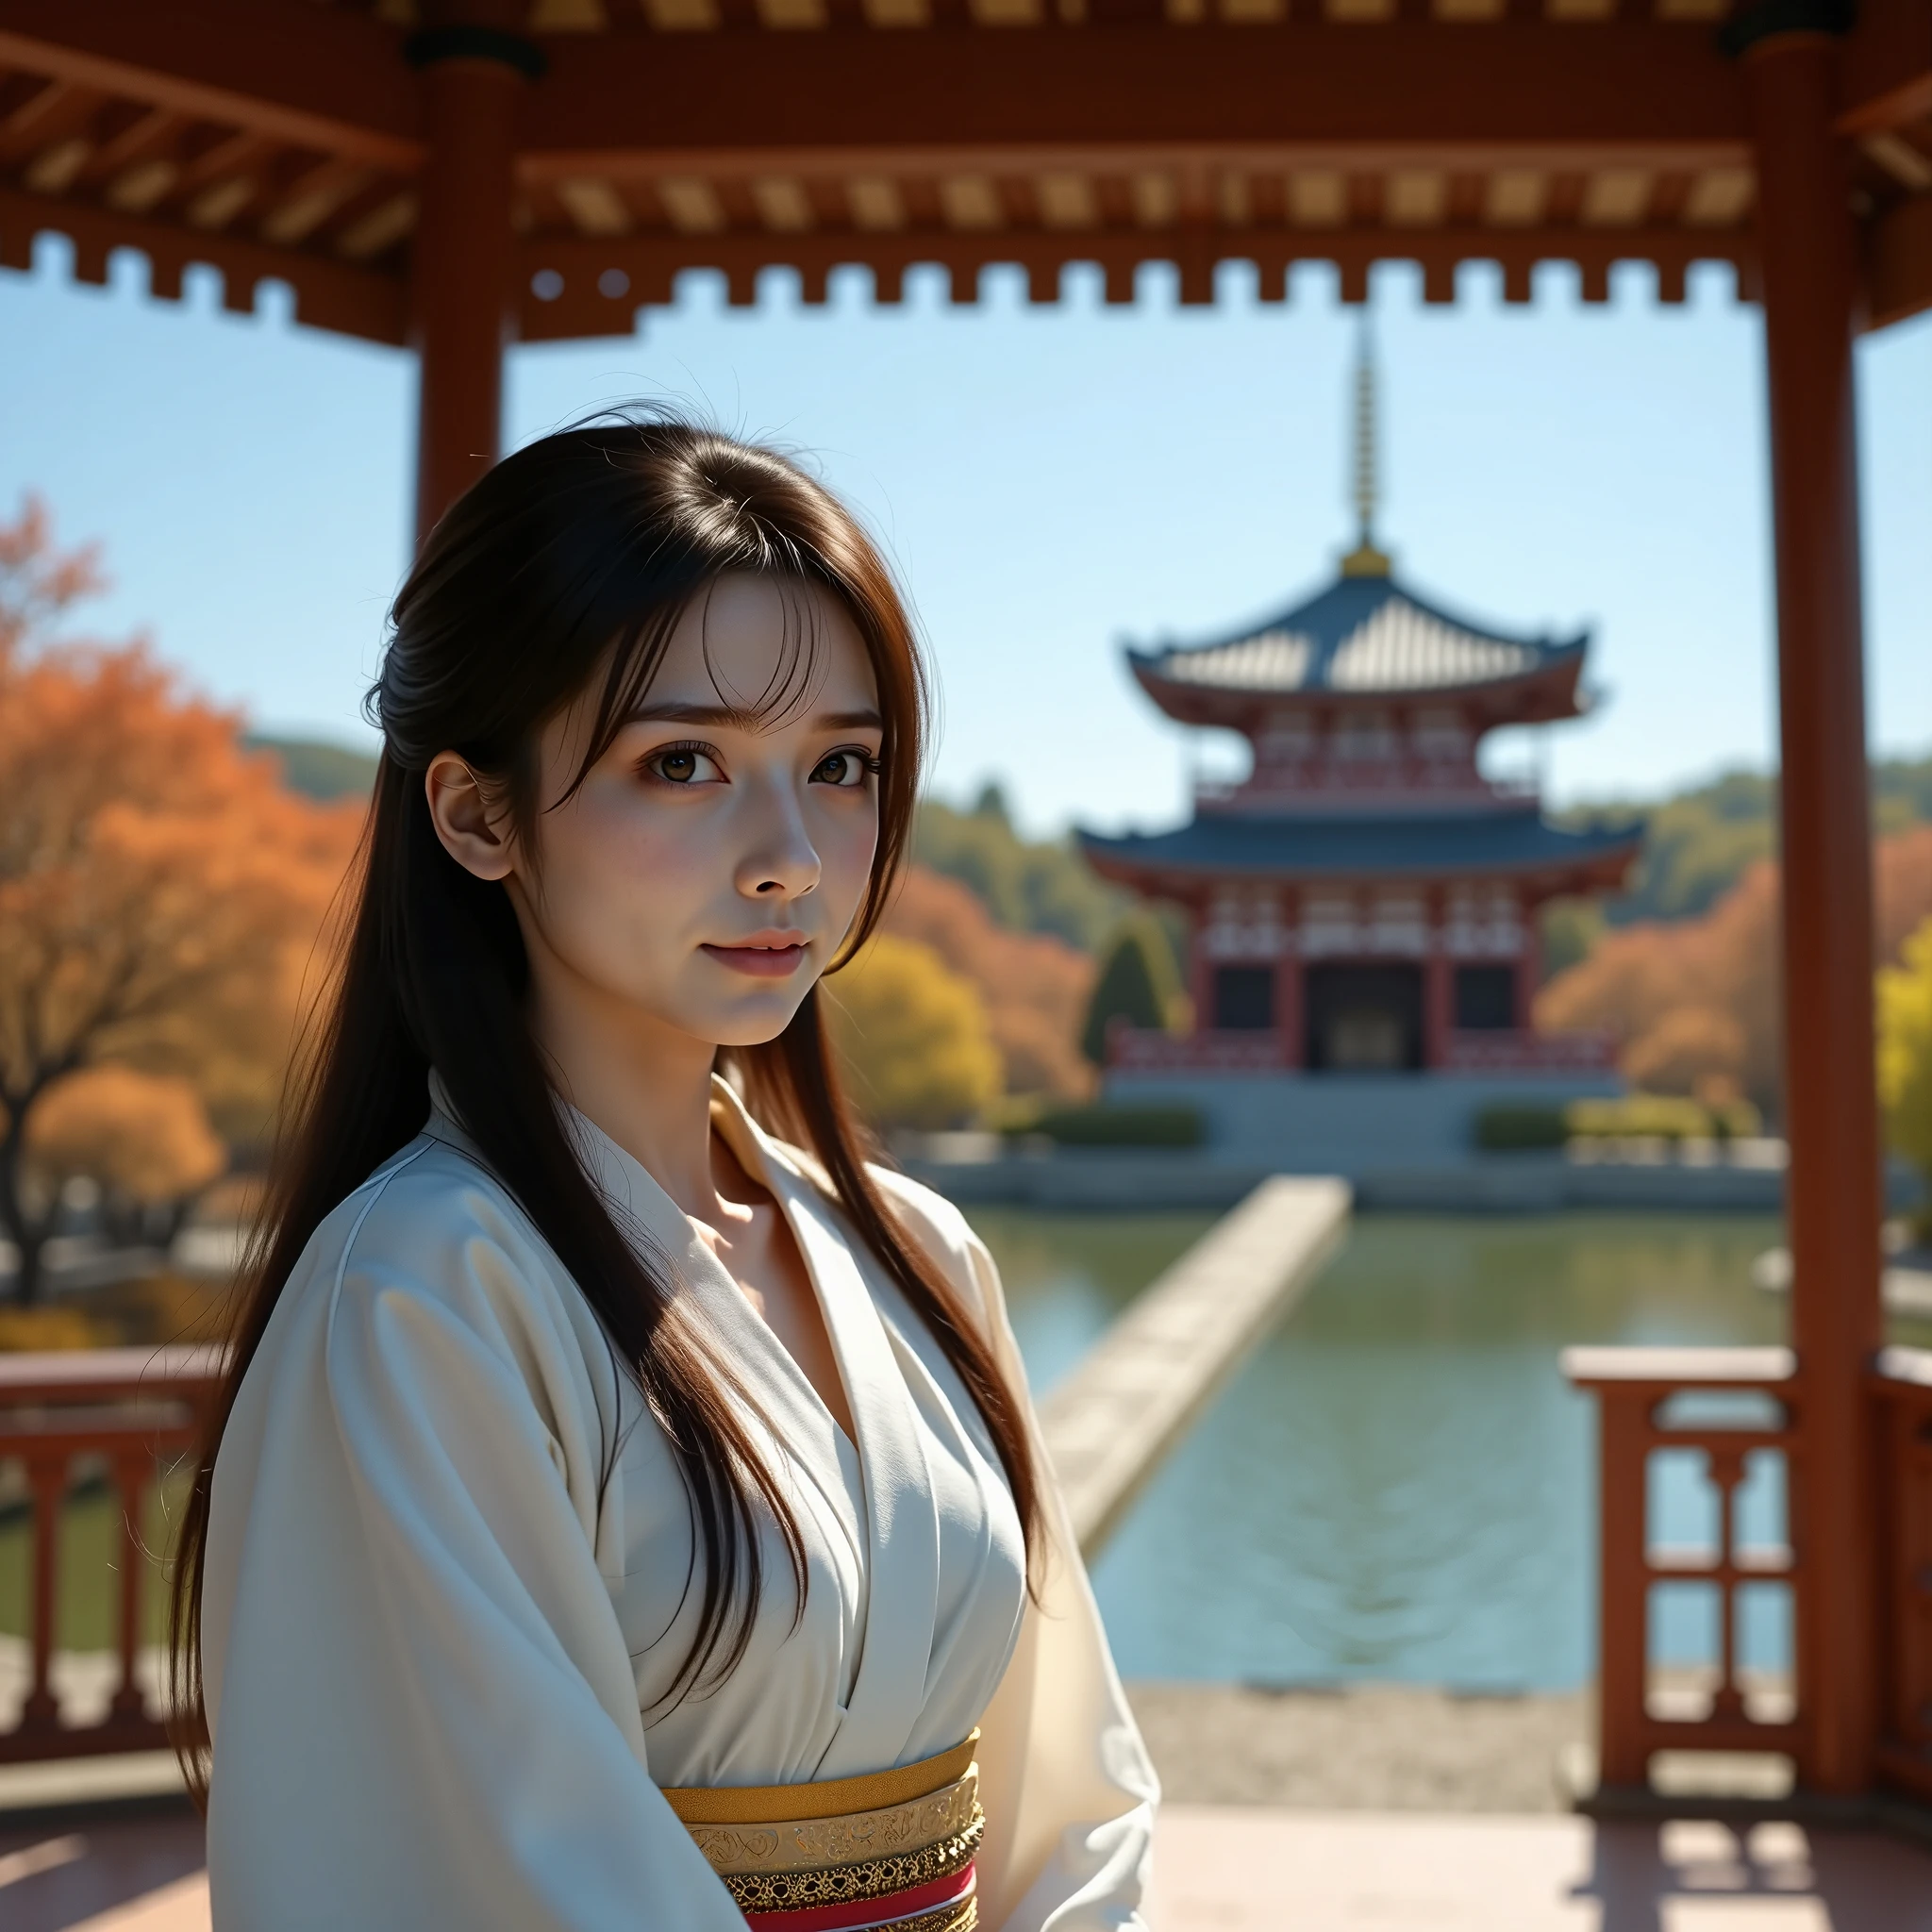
1252, 1868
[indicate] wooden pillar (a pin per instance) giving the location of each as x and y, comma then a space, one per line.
1529, 964
1623, 1589
1833, 1192
1438, 986
1200, 967
1291, 1012
461, 297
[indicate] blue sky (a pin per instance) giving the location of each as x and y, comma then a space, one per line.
1048, 481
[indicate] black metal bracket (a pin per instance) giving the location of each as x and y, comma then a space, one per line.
434, 44
1762, 20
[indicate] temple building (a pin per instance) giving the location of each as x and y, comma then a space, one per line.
1366, 901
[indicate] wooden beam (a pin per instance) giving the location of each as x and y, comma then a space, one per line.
595, 288
1898, 262
1884, 77
330, 294
313, 76
1130, 87
833, 160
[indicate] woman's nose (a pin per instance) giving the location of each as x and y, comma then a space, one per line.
783, 862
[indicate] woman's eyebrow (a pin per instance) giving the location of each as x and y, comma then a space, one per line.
739, 718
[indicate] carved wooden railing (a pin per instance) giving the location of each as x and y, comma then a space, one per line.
1518, 1051
1722, 1404
1264, 1051
1902, 1403
134, 1410
1141, 1050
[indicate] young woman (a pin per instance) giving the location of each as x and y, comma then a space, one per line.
626, 1514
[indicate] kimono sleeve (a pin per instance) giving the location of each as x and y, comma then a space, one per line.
423, 1715
1069, 1790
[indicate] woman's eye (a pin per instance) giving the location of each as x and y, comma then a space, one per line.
683, 764
842, 768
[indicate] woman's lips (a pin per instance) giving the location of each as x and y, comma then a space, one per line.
761, 962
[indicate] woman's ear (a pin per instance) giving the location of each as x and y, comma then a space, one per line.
476, 838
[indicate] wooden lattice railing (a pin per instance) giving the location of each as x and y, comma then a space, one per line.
1903, 1405
63, 1417
1722, 1404
1649, 1401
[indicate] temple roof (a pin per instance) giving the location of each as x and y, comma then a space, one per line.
1484, 844
1363, 635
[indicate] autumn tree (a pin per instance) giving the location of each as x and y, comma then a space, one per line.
144, 1139
1694, 1003
160, 892
913, 1035
1904, 1050
1033, 986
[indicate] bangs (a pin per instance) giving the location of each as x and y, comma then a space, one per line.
791, 682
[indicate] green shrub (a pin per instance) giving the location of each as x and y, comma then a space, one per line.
1110, 1124
1661, 1117
1139, 983
1516, 1127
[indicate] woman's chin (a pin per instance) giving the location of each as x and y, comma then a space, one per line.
754, 1022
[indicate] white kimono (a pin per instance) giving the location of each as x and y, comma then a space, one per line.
449, 1580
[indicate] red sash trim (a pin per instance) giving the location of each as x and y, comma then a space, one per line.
861, 1914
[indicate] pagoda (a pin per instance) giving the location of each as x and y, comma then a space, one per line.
1365, 902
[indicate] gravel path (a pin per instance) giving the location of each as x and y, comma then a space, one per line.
1371, 1747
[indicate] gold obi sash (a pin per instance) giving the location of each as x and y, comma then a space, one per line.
894, 1849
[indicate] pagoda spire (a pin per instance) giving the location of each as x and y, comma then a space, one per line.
1365, 560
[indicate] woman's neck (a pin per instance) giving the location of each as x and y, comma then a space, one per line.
645, 1084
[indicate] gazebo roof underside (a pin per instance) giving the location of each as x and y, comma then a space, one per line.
281, 139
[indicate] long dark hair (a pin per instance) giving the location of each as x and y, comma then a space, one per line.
572, 561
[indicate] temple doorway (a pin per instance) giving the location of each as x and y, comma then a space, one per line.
1364, 1019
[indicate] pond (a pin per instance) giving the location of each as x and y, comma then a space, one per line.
1400, 1486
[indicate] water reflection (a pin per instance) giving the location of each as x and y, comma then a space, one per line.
1400, 1486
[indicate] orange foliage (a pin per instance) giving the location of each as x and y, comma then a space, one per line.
37, 583
1902, 885
1035, 988
1694, 1003
145, 1136
160, 892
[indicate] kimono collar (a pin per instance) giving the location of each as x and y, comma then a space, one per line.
901, 1523
903, 1534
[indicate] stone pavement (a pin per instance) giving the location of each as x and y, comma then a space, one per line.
1253, 1869
1368, 1809
1249, 1869
1373, 1747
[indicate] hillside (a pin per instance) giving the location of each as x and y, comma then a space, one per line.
317, 769
1701, 842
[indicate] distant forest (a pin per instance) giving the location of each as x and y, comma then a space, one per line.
1697, 845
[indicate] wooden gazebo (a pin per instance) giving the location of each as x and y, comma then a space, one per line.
456, 176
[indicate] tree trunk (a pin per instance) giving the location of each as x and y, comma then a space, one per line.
26, 1233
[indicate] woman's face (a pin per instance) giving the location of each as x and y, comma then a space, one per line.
713, 860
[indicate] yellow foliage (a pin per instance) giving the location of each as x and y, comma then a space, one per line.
36, 1331
1905, 1049
914, 1036
143, 1135
1036, 988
